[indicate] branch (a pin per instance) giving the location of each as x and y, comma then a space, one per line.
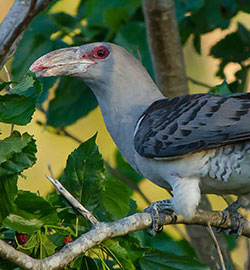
200, 83
103, 231
217, 246
15, 23
73, 202
165, 46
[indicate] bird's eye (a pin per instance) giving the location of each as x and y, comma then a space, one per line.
100, 52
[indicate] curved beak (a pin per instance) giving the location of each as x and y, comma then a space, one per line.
63, 62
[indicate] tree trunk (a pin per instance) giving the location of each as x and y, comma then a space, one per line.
164, 42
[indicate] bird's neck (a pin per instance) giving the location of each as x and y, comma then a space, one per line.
122, 102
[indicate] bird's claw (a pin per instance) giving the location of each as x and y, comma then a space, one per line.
154, 209
231, 212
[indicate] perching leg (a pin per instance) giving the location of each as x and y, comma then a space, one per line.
154, 209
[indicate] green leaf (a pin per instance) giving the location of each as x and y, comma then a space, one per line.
186, 6
7, 265
120, 254
197, 43
234, 47
243, 5
221, 89
84, 262
204, 17
8, 191
28, 87
95, 9
47, 247
31, 213
17, 153
122, 166
165, 243
115, 17
39, 245
73, 100
132, 36
83, 175
63, 19
165, 261
16, 109
3, 85
18, 105
116, 198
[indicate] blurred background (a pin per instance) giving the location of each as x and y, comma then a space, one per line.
54, 149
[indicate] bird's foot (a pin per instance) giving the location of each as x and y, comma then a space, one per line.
236, 217
154, 209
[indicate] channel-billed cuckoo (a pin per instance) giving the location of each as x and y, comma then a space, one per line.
192, 144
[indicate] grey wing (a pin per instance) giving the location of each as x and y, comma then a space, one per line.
181, 125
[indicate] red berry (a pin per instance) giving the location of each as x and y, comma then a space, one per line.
21, 238
67, 239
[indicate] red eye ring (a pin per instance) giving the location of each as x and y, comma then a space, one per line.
100, 52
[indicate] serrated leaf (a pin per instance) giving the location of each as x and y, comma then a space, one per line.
31, 213
16, 109
116, 198
18, 105
17, 153
73, 100
28, 87
8, 191
165, 261
83, 174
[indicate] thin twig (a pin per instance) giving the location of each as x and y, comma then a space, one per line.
73, 202
8, 75
217, 246
199, 83
67, 134
50, 170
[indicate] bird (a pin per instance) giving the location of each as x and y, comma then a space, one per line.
193, 144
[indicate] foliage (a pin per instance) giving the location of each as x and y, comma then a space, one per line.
44, 225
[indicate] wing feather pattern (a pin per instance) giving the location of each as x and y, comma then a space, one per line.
181, 125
